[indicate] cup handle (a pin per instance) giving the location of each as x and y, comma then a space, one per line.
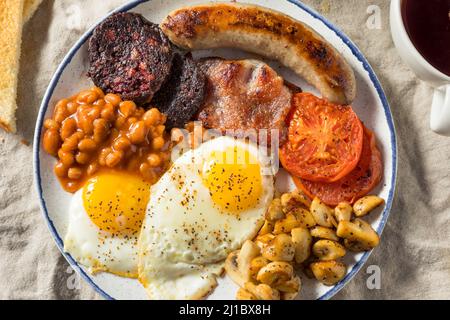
440, 111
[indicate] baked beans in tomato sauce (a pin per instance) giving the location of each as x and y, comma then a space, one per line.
91, 131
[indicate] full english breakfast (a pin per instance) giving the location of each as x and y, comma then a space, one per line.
155, 199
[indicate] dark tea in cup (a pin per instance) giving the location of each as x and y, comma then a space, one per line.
427, 23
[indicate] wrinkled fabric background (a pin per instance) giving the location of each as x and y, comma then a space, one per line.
414, 255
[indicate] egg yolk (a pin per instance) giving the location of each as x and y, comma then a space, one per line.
116, 202
233, 178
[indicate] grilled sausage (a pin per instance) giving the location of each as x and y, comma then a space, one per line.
267, 33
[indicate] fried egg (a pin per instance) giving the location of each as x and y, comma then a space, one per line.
207, 205
105, 219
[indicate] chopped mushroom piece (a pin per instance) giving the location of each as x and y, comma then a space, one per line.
257, 264
322, 214
359, 231
328, 250
366, 204
324, 233
281, 248
243, 294
287, 224
248, 252
232, 270
266, 228
275, 211
328, 272
304, 217
294, 200
275, 273
263, 240
292, 285
302, 240
343, 212
262, 291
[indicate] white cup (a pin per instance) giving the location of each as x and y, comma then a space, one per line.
440, 107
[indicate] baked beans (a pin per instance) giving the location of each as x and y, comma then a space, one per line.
92, 131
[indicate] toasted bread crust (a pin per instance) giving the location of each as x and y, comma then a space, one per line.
29, 8
268, 33
10, 42
5, 126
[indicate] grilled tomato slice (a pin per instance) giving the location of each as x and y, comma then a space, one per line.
324, 140
363, 179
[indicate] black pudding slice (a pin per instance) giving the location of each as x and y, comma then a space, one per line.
182, 96
129, 56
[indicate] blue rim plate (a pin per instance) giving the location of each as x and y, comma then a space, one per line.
132, 4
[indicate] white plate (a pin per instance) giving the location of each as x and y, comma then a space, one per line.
371, 105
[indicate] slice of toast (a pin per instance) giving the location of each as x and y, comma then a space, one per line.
11, 20
29, 8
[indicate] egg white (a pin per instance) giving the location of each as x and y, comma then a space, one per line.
185, 238
96, 249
